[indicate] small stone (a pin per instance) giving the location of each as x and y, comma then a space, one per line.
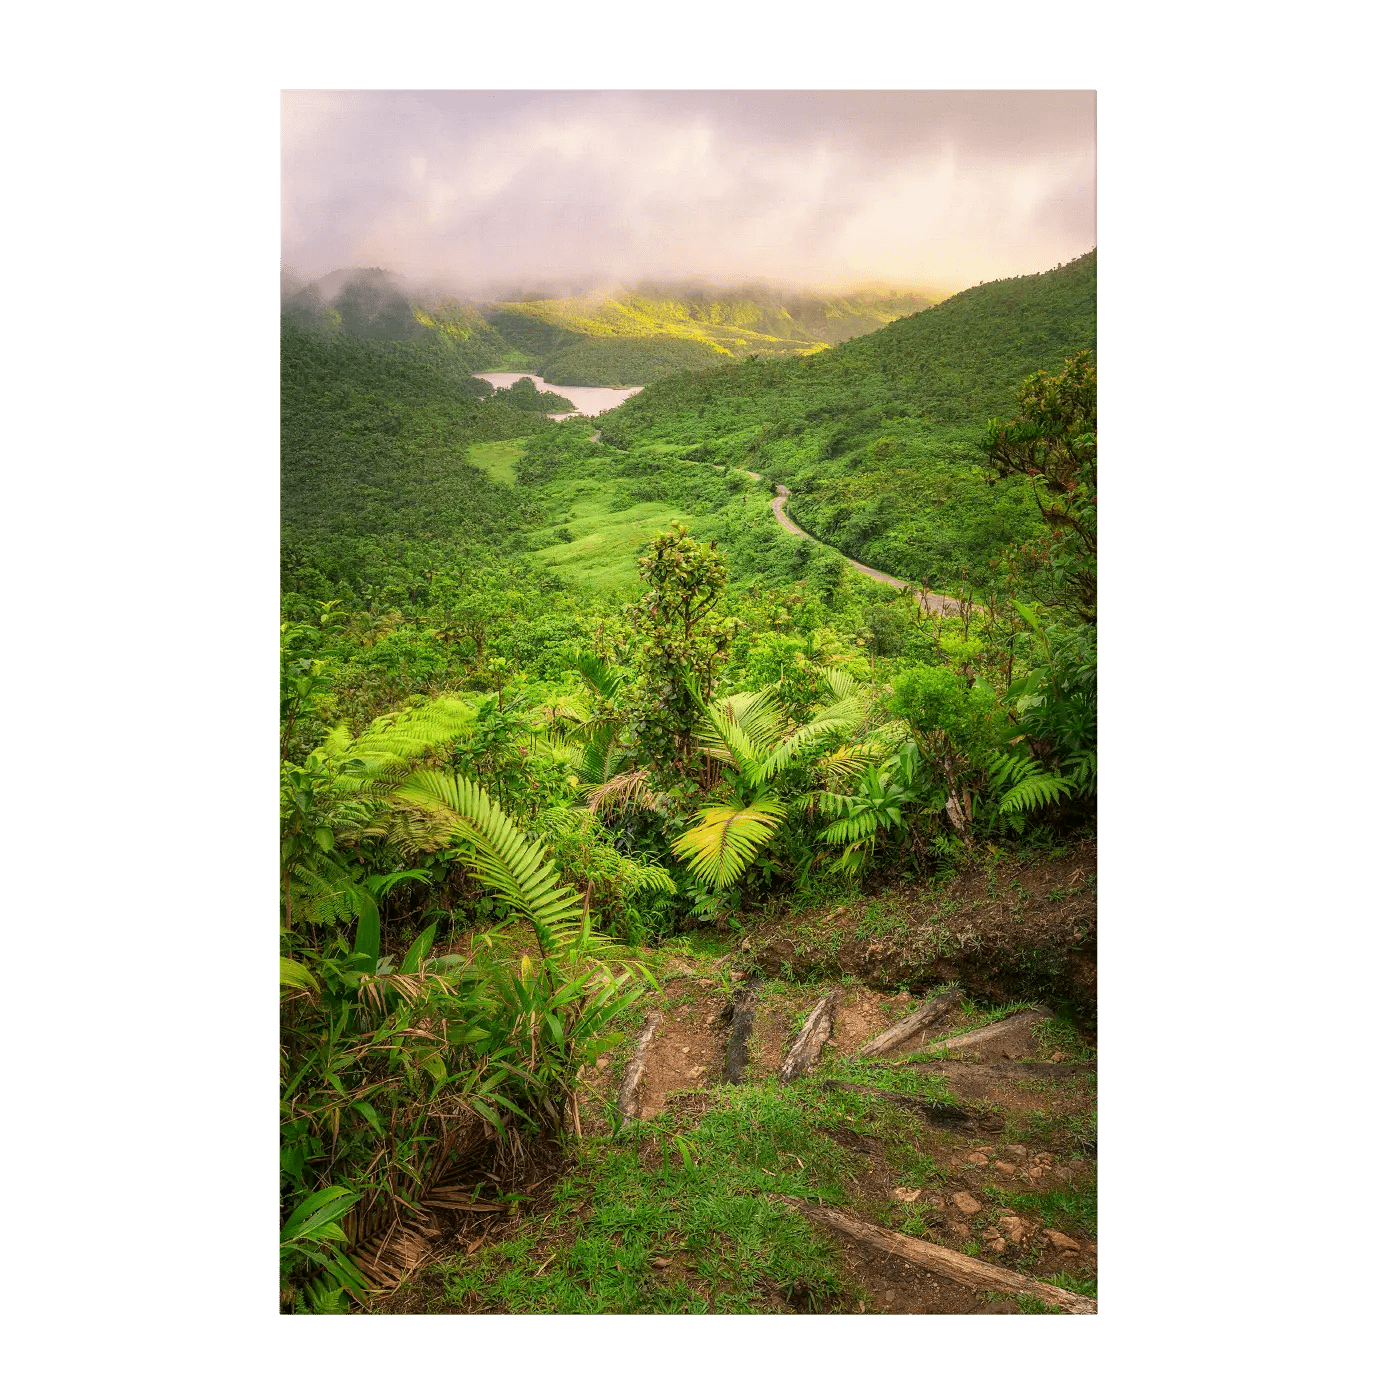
977, 1159
1061, 1241
904, 997
966, 1203
991, 1233
1014, 1228
1019, 1152
692, 1073
889, 1295
685, 1049
960, 1230
905, 1193
1044, 1158
1057, 1057
1005, 1168
998, 1246
1036, 1173
1063, 1174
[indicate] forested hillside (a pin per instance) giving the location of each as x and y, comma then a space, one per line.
881, 439
581, 754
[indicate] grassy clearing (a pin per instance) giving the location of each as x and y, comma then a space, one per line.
497, 459
602, 555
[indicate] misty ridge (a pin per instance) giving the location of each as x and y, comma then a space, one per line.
602, 336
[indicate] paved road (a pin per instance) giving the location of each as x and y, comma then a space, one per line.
929, 602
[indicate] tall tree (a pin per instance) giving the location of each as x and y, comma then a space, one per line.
1053, 441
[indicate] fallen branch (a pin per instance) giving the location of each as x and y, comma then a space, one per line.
740, 1028
629, 1096
929, 1014
973, 1039
961, 1268
816, 1031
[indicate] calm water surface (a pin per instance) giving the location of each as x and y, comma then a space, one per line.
589, 400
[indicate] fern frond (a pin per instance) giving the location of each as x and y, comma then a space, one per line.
1027, 786
725, 842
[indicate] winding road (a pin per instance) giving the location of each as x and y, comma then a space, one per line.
930, 602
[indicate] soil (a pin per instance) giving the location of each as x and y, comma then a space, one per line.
1026, 1125
1013, 928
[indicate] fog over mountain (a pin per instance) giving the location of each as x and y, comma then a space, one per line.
480, 194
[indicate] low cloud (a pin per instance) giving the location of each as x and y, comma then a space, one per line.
473, 193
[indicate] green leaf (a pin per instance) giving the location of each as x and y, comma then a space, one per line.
367, 929
295, 974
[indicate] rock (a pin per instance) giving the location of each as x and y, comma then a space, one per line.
968, 1204
1014, 1228
1005, 1168
904, 998
1036, 1173
1063, 1174
693, 1073
685, 1049
1019, 1152
998, 1246
1045, 1159
889, 1295
976, 1159
991, 1233
1057, 1057
1061, 1241
905, 1193
960, 1230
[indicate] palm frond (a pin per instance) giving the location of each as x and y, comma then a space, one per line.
499, 854
840, 683
603, 679
839, 718
725, 842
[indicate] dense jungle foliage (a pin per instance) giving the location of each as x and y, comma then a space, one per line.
546, 701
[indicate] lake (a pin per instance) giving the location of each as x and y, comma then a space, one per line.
590, 400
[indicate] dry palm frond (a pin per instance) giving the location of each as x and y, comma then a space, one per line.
630, 789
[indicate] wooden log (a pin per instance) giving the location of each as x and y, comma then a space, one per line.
985, 1034
929, 1014
961, 1268
630, 1095
740, 1028
938, 1115
816, 1031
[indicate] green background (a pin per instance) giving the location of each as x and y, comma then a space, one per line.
1241, 538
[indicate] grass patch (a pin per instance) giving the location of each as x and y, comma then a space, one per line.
697, 1196
497, 459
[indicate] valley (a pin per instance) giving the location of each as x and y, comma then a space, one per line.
627, 798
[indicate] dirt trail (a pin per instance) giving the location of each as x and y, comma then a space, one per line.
1012, 1146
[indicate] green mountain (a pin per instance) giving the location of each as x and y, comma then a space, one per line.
879, 439
639, 336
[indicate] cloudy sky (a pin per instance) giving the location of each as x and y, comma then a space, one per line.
482, 192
